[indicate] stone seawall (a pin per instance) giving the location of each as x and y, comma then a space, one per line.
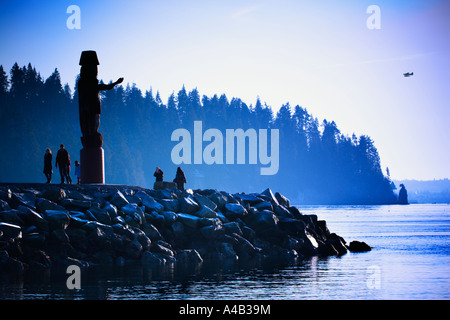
44, 226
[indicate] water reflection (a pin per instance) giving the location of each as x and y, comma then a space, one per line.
254, 279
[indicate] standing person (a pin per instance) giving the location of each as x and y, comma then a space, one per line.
48, 169
77, 171
68, 178
180, 179
158, 174
63, 160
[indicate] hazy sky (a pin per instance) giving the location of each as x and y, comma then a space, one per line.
318, 54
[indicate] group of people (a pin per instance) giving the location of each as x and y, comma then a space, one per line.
63, 162
180, 178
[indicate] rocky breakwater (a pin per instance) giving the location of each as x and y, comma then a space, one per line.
46, 226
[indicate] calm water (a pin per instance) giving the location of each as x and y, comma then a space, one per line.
410, 259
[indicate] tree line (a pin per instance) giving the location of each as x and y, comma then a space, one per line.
317, 163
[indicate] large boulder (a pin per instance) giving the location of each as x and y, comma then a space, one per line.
205, 201
24, 199
188, 205
219, 199
57, 219
234, 211
54, 195
10, 231
11, 216
262, 221
31, 217
100, 215
43, 205
150, 204
74, 204
268, 193
118, 199
213, 232
189, 220
170, 204
358, 246
205, 212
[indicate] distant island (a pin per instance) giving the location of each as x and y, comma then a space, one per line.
429, 191
317, 164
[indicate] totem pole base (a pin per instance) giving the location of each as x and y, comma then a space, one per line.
92, 165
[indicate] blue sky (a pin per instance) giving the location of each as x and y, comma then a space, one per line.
317, 54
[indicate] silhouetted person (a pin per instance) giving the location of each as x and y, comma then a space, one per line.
159, 174
77, 172
402, 195
48, 168
180, 179
63, 160
89, 99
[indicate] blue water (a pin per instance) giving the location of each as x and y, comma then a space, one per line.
410, 259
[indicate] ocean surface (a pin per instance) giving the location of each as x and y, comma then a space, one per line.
410, 259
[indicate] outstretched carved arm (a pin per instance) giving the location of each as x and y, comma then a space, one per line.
103, 86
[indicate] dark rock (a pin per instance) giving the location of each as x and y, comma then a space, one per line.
6, 195
54, 195
111, 209
72, 204
213, 232
33, 239
24, 199
100, 215
261, 221
205, 212
77, 219
232, 227
124, 230
169, 216
9, 264
170, 204
10, 231
205, 201
281, 211
31, 217
310, 245
295, 212
189, 256
248, 198
118, 199
282, 200
143, 239
162, 247
11, 216
188, 205
265, 205
244, 248
134, 249
153, 259
59, 236
43, 205
189, 220
291, 226
151, 204
219, 199
234, 211
4, 205
271, 196
151, 232
357, 246
57, 219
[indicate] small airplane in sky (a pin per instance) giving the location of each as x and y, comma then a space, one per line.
408, 74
